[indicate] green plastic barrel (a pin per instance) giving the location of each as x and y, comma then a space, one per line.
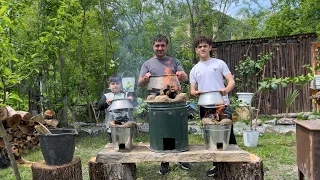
168, 126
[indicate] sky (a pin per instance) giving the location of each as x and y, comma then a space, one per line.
234, 8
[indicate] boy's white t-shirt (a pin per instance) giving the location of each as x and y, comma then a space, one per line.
209, 75
108, 117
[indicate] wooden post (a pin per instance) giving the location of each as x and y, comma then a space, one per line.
71, 171
111, 171
3, 116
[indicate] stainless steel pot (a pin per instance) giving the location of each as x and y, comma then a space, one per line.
159, 82
211, 98
120, 104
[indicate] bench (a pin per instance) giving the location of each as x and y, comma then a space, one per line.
234, 163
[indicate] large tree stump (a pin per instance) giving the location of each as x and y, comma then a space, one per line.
71, 171
240, 171
111, 171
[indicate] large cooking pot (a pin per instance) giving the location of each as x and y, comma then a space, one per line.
211, 98
161, 81
120, 104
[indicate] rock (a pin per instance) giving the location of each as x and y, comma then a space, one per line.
92, 131
143, 127
288, 132
285, 121
79, 124
268, 129
271, 122
256, 123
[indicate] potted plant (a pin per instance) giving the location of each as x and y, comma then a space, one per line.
246, 71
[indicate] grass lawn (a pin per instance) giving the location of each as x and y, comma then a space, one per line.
278, 154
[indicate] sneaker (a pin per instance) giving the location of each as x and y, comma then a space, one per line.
211, 172
164, 168
184, 165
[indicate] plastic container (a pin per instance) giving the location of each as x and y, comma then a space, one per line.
58, 148
245, 97
250, 138
168, 126
217, 136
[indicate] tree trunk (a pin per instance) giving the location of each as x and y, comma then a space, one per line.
72, 171
240, 171
101, 171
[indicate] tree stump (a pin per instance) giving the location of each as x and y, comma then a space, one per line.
111, 171
240, 171
71, 171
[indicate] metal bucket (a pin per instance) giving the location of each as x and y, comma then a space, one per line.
217, 136
122, 138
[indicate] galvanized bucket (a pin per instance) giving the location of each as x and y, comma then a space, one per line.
217, 136
122, 138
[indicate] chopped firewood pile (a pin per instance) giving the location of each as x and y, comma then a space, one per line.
20, 128
218, 118
120, 124
168, 94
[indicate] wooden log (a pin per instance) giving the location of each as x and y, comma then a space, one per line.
2, 145
38, 118
71, 171
49, 114
34, 140
3, 113
25, 116
31, 123
111, 171
52, 122
18, 134
10, 137
240, 171
13, 119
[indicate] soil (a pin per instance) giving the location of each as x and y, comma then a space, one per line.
119, 124
164, 98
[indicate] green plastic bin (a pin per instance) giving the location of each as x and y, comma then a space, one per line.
168, 126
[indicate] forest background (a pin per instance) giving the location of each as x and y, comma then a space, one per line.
58, 54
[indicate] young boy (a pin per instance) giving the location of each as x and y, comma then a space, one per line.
208, 75
115, 86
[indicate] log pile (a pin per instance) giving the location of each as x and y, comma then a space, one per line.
20, 128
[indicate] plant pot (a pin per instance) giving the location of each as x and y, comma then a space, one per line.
58, 148
250, 138
245, 98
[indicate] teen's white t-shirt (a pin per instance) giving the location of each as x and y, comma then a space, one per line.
209, 75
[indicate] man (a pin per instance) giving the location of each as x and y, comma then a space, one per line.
208, 75
159, 62
159, 65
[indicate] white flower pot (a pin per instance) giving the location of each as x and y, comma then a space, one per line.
245, 97
250, 138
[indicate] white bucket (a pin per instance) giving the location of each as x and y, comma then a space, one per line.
128, 83
250, 138
245, 98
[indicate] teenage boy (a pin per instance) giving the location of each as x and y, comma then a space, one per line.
208, 75
115, 86
158, 65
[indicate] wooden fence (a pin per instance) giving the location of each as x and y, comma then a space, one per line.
289, 54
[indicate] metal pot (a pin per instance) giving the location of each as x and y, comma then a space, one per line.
120, 104
211, 98
159, 82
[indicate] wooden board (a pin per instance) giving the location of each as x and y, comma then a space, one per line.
196, 153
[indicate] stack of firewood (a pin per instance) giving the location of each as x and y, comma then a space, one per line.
20, 128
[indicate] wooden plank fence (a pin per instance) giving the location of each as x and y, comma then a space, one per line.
290, 53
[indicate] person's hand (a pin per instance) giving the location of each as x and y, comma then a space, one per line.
224, 92
196, 93
109, 101
147, 76
130, 98
179, 75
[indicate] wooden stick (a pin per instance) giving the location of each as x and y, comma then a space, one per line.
11, 156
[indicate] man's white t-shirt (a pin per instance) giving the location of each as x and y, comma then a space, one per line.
209, 75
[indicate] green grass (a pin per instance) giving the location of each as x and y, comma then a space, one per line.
278, 154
